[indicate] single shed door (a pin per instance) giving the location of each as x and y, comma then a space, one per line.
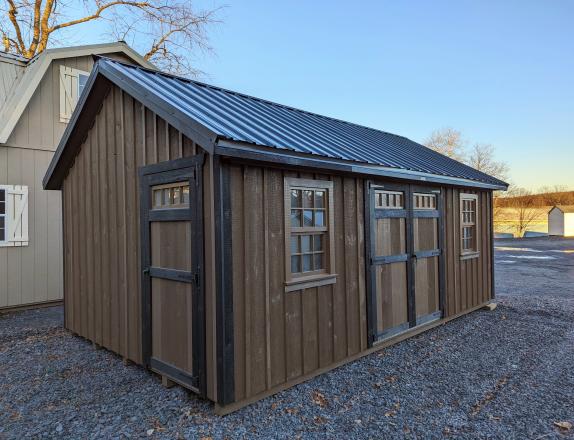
405, 258
172, 269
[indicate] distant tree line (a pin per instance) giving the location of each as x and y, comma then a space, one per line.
546, 196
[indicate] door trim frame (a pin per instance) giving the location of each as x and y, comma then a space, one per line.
174, 170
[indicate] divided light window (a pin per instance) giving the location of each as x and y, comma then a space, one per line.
170, 196
309, 231
424, 201
468, 216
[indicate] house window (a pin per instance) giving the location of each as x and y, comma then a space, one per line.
170, 196
468, 217
72, 84
82, 81
13, 215
309, 233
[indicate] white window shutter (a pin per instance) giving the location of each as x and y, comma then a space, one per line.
69, 83
17, 210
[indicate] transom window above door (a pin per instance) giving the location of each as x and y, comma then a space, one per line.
389, 200
309, 232
170, 196
424, 201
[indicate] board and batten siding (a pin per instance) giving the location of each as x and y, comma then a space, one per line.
32, 274
468, 281
39, 127
10, 72
102, 270
282, 336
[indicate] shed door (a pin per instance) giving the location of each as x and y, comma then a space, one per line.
389, 258
426, 253
172, 267
405, 256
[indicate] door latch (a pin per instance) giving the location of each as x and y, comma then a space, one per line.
146, 271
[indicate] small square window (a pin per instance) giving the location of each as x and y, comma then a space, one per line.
319, 199
308, 218
296, 218
296, 198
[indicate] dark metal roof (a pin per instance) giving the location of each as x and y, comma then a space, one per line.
241, 118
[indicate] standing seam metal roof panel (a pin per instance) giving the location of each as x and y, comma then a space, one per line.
238, 117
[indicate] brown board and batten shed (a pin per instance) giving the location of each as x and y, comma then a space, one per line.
238, 247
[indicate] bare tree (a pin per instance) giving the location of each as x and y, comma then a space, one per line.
165, 31
447, 141
482, 158
523, 204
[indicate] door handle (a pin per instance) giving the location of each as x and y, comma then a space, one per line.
146, 271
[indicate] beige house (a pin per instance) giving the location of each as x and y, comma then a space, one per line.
37, 98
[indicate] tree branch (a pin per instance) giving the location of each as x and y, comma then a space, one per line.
45, 34
36, 26
12, 12
156, 46
98, 13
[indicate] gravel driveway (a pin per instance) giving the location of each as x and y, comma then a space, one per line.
503, 374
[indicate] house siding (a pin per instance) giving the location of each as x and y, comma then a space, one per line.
39, 127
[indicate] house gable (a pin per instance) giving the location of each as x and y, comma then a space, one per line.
32, 111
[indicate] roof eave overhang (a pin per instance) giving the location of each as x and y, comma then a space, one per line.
73, 137
37, 67
243, 150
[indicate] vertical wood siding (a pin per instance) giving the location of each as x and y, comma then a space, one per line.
10, 72
468, 282
32, 274
39, 127
282, 336
101, 223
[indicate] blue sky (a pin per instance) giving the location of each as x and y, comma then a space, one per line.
500, 72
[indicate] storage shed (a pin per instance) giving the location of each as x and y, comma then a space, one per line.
238, 247
561, 221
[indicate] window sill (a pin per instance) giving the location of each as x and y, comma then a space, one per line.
310, 281
469, 255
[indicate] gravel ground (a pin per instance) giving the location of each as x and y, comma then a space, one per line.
502, 374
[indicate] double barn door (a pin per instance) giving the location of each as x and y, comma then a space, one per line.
405, 258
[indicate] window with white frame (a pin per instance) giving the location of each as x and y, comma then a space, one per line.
309, 233
13, 215
72, 84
